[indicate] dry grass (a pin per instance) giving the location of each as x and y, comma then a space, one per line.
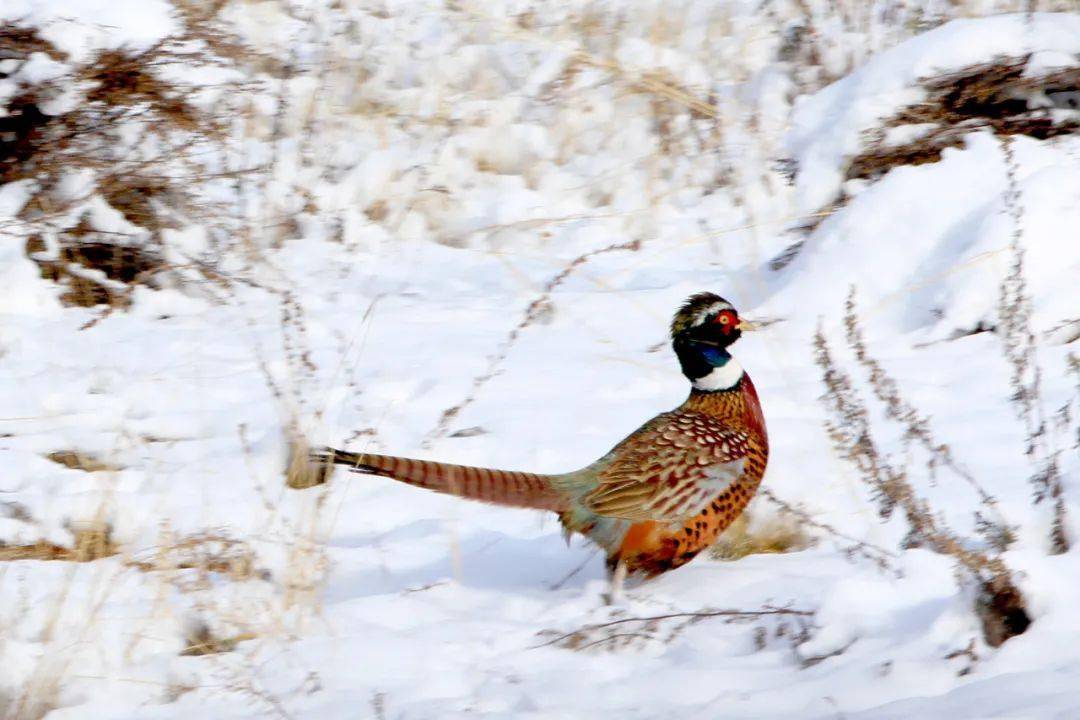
209, 553
90, 543
23, 126
770, 534
60, 637
78, 460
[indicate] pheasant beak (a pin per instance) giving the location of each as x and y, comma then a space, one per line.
746, 325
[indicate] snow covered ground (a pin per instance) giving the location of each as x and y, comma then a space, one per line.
428, 174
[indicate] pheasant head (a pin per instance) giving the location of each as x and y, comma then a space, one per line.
701, 332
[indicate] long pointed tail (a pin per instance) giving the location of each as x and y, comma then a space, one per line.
501, 487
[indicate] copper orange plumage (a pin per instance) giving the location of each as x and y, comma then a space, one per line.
665, 492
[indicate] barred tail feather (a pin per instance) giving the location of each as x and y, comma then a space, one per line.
500, 487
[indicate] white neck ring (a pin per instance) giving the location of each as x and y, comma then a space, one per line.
724, 377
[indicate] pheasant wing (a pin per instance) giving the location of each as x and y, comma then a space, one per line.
669, 470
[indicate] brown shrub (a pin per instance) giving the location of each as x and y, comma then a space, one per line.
143, 178
94, 272
988, 95
122, 80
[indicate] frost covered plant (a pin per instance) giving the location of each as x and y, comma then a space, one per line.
998, 602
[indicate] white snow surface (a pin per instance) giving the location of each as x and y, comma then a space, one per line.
444, 194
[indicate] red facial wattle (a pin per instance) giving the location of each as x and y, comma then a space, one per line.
727, 320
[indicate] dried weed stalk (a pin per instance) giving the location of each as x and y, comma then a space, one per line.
852, 547
537, 309
64, 628
917, 429
629, 632
1000, 606
206, 554
1066, 414
1020, 348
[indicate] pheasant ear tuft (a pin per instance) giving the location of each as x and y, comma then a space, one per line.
692, 311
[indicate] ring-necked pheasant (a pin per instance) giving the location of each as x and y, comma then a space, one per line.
664, 493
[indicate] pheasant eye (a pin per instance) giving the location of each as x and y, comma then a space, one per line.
724, 318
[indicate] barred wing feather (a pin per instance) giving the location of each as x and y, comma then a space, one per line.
670, 469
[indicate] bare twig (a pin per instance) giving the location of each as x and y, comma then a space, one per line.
533, 311
694, 616
875, 553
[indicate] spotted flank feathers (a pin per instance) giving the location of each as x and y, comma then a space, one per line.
669, 469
